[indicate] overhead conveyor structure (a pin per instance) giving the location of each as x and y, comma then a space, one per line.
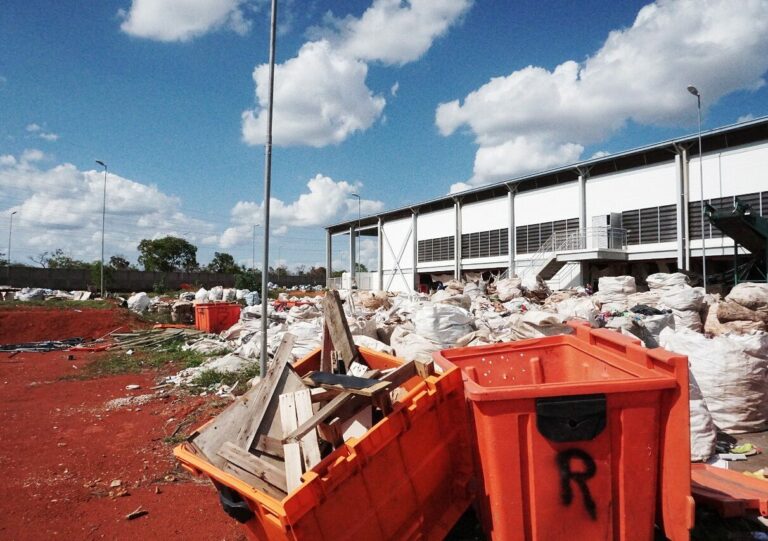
747, 229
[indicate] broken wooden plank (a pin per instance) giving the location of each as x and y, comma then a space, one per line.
326, 411
357, 425
234, 423
322, 395
291, 449
346, 404
269, 445
424, 369
326, 351
258, 405
352, 384
336, 323
310, 449
254, 465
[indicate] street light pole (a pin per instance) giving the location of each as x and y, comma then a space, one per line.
693, 90
253, 254
103, 222
357, 256
10, 236
267, 182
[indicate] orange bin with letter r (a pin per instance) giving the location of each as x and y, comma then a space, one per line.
582, 436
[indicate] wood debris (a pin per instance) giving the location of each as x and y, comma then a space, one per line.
285, 425
136, 513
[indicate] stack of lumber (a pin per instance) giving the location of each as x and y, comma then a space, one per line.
150, 339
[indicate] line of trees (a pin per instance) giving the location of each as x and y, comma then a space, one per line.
169, 254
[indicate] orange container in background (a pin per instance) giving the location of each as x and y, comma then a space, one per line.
579, 437
216, 317
407, 478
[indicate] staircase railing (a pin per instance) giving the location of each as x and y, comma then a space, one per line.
605, 237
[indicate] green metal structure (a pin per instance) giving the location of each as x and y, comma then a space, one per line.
747, 229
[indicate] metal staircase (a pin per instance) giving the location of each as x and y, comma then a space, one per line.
545, 261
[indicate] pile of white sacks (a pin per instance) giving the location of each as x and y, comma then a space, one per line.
728, 364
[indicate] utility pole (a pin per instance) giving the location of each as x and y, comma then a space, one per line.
267, 181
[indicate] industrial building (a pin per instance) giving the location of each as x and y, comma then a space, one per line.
635, 212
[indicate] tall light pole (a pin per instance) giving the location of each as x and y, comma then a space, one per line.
253, 253
267, 182
103, 222
693, 90
10, 236
357, 256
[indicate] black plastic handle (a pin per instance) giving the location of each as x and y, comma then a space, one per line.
571, 418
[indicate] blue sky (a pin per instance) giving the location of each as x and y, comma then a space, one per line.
401, 101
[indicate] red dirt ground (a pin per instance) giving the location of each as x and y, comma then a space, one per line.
60, 448
57, 323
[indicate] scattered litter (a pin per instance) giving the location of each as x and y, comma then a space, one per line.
136, 513
132, 387
115, 483
128, 401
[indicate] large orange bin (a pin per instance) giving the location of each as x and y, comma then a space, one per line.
581, 436
216, 317
408, 478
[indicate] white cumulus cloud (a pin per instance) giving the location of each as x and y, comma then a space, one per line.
38, 131
534, 118
395, 31
182, 20
325, 201
321, 95
320, 99
60, 207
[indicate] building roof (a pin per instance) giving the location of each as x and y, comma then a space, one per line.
712, 140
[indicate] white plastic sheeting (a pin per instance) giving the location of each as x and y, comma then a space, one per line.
138, 302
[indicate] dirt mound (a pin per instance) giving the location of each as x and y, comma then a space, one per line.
33, 323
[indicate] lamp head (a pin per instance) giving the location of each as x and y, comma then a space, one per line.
101, 163
14, 212
693, 90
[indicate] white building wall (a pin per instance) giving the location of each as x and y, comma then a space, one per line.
733, 172
397, 236
651, 186
635, 189
485, 215
433, 225
547, 204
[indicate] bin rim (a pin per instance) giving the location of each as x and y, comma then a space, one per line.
639, 376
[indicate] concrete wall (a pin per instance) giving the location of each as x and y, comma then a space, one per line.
131, 280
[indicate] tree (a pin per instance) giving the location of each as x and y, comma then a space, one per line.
279, 271
250, 280
360, 267
40, 259
301, 269
224, 263
167, 254
119, 262
59, 260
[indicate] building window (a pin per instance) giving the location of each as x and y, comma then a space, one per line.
492, 243
529, 238
440, 249
650, 225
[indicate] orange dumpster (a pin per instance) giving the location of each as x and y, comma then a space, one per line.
579, 437
216, 317
408, 477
